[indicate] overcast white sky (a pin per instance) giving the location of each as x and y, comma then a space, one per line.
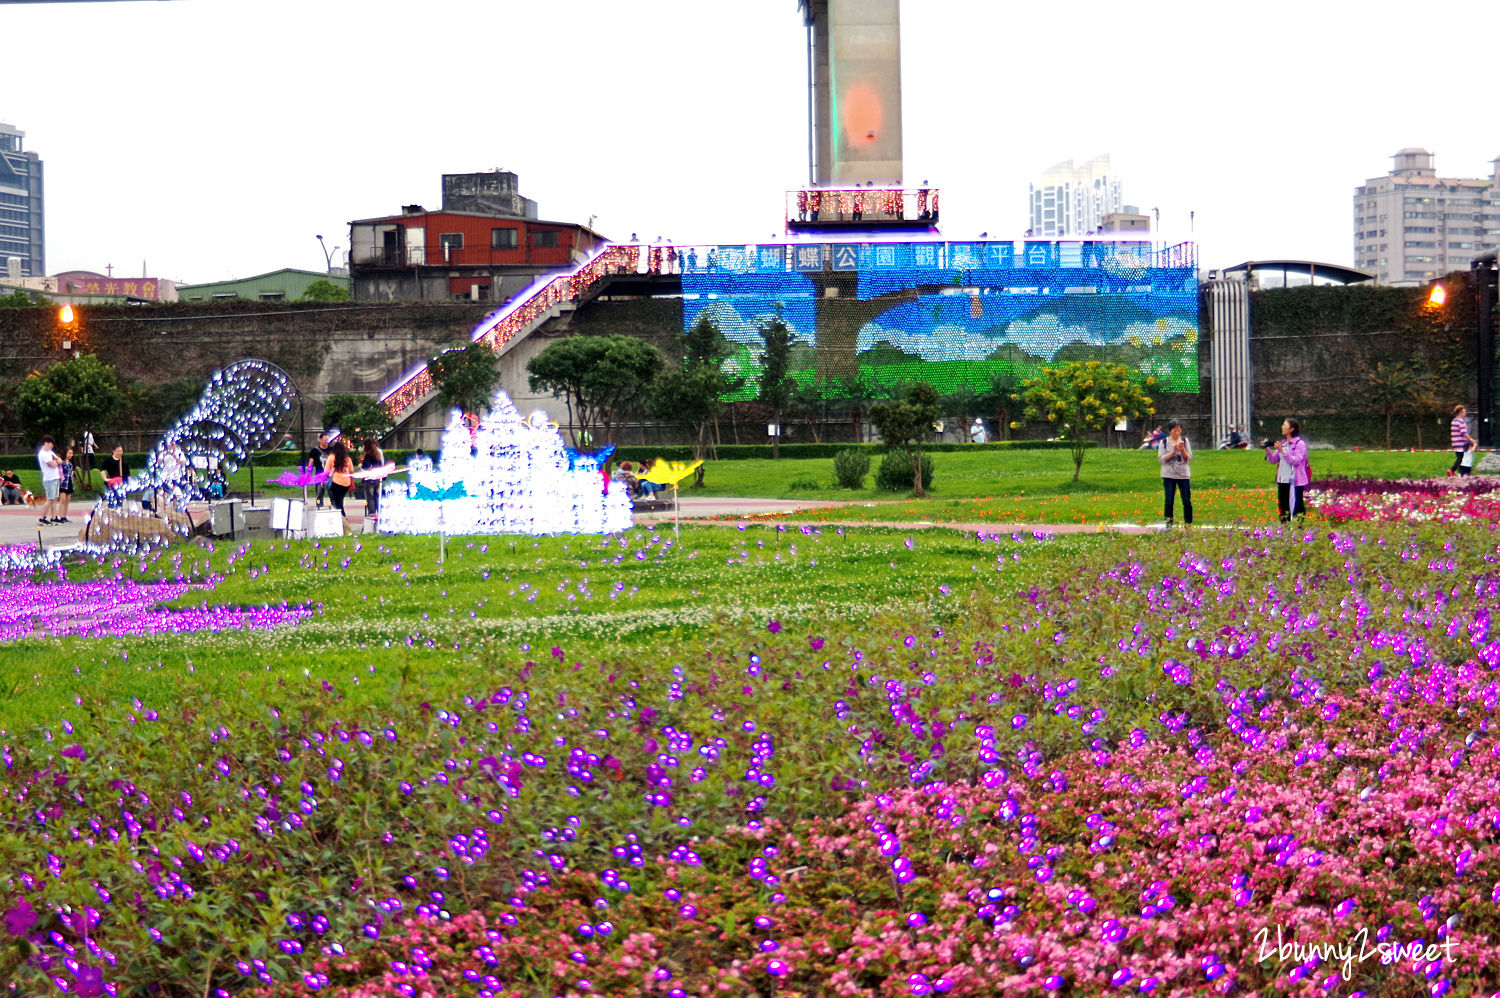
217, 138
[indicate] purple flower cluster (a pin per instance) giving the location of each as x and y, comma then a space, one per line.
119, 607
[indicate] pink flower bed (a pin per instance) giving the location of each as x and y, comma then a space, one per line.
1254, 762
1427, 501
1348, 826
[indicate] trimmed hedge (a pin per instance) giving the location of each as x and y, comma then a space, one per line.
747, 452
677, 452
276, 459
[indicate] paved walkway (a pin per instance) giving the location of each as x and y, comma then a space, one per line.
732, 511
698, 507
19, 526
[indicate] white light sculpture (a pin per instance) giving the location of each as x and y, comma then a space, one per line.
508, 475
240, 412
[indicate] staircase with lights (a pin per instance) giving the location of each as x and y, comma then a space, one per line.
544, 300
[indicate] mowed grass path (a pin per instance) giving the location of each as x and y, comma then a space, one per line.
391, 616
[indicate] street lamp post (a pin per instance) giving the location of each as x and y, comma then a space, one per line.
1485, 276
327, 256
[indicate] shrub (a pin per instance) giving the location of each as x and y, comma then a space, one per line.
762, 452
895, 473
850, 468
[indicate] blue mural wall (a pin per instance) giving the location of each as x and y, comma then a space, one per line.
954, 313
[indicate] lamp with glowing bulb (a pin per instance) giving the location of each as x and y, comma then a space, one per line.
1438, 297
67, 326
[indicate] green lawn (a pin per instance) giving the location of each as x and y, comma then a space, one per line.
962, 475
388, 611
1024, 486
1036, 486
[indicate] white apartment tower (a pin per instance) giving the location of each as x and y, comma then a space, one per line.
1412, 226
1072, 201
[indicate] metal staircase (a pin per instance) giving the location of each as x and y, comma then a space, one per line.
546, 299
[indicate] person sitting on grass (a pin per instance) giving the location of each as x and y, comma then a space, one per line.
11, 491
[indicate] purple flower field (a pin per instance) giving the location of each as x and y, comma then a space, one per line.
1259, 762
119, 607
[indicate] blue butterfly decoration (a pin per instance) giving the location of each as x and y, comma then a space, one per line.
596, 459
454, 491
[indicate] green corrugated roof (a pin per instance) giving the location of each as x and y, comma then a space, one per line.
289, 282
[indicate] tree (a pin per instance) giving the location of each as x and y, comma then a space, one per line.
69, 395
357, 416
776, 384
856, 392
904, 424
1392, 388
1084, 397
20, 299
963, 404
704, 344
999, 397
602, 379
1431, 396
325, 290
166, 403
692, 394
808, 404
465, 376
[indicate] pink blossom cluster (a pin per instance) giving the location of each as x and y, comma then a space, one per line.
1427, 501
1153, 869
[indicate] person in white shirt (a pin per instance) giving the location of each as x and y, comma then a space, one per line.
51, 466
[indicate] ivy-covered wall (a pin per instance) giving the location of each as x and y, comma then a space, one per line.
1338, 357
658, 321
326, 348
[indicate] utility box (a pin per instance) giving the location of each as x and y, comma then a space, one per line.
227, 518
324, 523
257, 520
288, 516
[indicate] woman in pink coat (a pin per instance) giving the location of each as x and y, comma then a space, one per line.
1289, 454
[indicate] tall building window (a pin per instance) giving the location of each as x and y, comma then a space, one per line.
503, 238
544, 240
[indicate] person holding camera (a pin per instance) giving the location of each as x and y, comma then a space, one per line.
1175, 454
1289, 454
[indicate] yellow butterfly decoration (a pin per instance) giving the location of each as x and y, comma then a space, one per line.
669, 472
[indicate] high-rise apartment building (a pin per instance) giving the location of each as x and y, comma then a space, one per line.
1412, 226
21, 231
1072, 201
